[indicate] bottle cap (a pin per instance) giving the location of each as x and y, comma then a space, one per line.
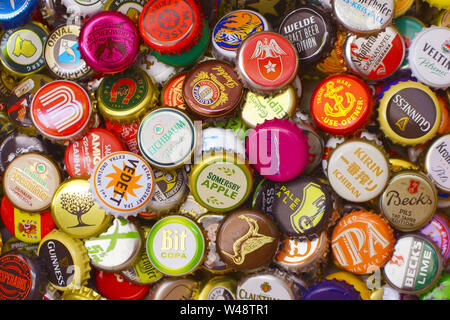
172, 92
441, 291
50, 114
265, 286
331, 290
258, 108
358, 170
409, 113
315, 142
310, 30
82, 293
176, 245
232, 29
167, 138
109, 42
117, 248
82, 156
278, 150
30, 181
62, 55
415, 265
437, 163
334, 63
174, 289
353, 280
341, 104
215, 139
127, 131
362, 242
27, 268
366, 18
16, 13
75, 212
409, 201
170, 191
212, 88
267, 62
65, 259
298, 256
131, 8
303, 207
188, 57
171, 26
247, 240
264, 195
142, 271
219, 288
26, 227
438, 230
408, 26
221, 181
192, 208
428, 57
114, 286
14, 144
401, 7
19, 102
22, 48
210, 224
377, 56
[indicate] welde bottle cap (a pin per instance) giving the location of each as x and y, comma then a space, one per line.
109, 42
15, 13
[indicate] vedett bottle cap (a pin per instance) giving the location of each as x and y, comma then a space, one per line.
109, 42
364, 17
429, 57
377, 56
232, 29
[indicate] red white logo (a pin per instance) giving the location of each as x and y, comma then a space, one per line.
268, 55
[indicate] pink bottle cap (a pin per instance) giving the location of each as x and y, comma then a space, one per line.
109, 42
278, 150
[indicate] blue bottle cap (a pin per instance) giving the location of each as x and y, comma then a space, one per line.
14, 13
331, 290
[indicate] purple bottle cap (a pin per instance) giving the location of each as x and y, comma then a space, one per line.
438, 231
331, 290
278, 150
109, 42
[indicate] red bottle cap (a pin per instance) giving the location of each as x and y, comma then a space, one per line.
61, 110
82, 155
170, 26
267, 62
341, 104
114, 286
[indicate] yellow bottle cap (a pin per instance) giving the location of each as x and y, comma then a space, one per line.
398, 164
83, 293
353, 280
409, 113
66, 260
75, 212
126, 96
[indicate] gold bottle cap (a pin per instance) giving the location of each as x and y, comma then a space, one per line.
126, 96
83, 293
221, 181
66, 260
258, 108
398, 164
75, 212
219, 288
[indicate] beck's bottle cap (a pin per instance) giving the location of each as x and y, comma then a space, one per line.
367, 57
122, 184
341, 104
311, 31
232, 29
22, 48
114, 286
65, 259
409, 113
49, 119
267, 62
278, 149
212, 89
428, 57
247, 240
15, 13
109, 42
409, 201
167, 138
30, 181
415, 266
364, 18
176, 245
355, 230
75, 212
126, 96
171, 26
218, 288
221, 181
